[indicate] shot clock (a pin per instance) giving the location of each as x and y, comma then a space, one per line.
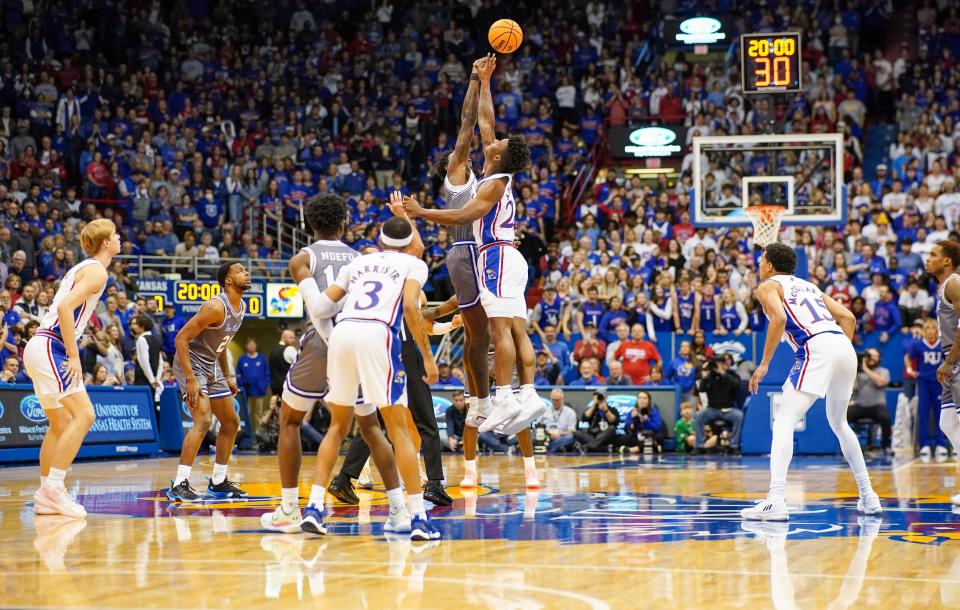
770, 62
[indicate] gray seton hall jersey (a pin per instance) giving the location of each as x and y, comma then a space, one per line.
326, 258
947, 316
456, 198
212, 340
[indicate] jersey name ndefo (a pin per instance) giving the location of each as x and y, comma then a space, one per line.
807, 314
374, 285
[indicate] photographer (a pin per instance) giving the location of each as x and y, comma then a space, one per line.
721, 385
601, 420
869, 395
644, 423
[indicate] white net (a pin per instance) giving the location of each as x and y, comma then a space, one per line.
766, 223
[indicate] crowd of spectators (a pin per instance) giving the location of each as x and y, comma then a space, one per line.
200, 126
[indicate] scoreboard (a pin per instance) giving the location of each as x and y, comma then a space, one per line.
770, 62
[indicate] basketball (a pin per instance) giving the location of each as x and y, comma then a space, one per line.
505, 36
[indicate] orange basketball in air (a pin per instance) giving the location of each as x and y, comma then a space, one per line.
505, 36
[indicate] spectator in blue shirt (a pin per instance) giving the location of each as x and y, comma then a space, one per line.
886, 315
587, 375
11, 372
163, 242
908, 262
559, 349
253, 375
446, 375
170, 325
681, 372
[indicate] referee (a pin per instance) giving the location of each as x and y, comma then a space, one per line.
420, 403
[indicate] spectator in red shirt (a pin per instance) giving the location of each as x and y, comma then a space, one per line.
637, 355
589, 346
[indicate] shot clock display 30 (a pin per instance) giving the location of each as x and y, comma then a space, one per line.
770, 62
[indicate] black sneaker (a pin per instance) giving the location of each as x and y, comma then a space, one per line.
341, 488
225, 489
434, 493
182, 492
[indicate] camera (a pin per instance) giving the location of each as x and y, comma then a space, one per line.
645, 411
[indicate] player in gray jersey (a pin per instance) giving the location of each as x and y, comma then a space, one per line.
199, 366
459, 182
942, 263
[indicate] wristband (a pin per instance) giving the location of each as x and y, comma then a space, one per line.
441, 328
475, 77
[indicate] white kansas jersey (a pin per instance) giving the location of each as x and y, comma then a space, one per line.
374, 284
51, 320
497, 224
807, 314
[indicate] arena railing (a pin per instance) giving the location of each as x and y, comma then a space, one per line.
192, 267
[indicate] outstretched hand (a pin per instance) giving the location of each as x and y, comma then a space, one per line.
486, 66
396, 204
411, 206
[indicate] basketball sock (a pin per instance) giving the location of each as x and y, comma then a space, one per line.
55, 478
473, 403
470, 466
504, 392
950, 426
849, 443
793, 406
43, 480
395, 498
415, 504
526, 391
219, 473
484, 403
289, 498
529, 462
317, 495
183, 473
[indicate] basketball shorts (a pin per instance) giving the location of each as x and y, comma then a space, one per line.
825, 364
45, 360
213, 383
503, 282
365, 353
949, 394
462, 266
306, 381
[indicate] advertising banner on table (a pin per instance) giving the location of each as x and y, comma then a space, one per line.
126, 422
176, 420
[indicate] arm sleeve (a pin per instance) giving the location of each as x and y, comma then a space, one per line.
343, 277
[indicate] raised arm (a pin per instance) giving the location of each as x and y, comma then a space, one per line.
485, 109
90, 280
771, 298
468, 121
488, 196
416, 246
211, 314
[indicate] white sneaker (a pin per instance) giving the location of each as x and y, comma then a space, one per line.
59, 500
869, 504
469, 480
955, 500
941, 454
365, 481
925, 454
282, 521
532, 478
531, 410
477, 415
398, 522
502, 413
767, 510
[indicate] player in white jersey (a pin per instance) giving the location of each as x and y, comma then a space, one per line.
365, 351
820, 330
503, 274
52, 360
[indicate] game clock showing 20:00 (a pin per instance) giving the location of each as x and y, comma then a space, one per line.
770, 62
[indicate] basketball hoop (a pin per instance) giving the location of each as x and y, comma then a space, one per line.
766, 223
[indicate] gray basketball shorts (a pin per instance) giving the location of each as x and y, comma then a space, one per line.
462, 266
213, 383
950, 392
306, 381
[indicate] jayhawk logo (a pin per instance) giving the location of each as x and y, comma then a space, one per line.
491, 274
399, 377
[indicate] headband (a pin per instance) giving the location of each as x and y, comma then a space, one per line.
395, 242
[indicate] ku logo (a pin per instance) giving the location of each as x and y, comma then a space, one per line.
399, 377
491, 274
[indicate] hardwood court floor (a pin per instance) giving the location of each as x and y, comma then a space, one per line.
602, 533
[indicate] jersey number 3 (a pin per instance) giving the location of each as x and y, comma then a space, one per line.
372, 291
